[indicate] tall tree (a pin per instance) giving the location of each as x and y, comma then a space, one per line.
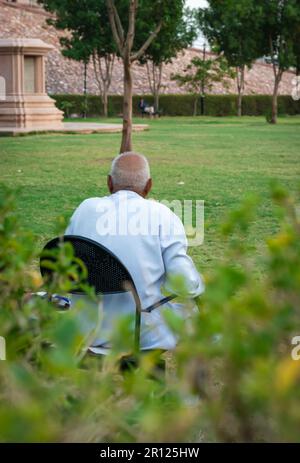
89, 37
200, 75
280, 26
175, 35
234, 29
135, 25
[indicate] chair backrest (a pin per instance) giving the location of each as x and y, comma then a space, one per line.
106, 273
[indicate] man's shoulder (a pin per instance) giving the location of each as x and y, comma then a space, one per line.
91, 204
162, 209
169, 221
92, 201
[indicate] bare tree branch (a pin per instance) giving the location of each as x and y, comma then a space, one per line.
96, 71
109, 60
149, 77
240, 71
118, 23
116, 27
154, 77
131, 26
160, 67
103, 76
144, 47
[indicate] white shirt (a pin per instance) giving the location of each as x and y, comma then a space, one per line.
149, 239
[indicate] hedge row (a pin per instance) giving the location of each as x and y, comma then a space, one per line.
181, 105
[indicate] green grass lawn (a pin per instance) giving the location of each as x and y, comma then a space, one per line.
219, 160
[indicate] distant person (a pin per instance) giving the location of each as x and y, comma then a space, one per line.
148, 238
142, 105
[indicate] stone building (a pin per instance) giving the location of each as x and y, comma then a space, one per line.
26, 19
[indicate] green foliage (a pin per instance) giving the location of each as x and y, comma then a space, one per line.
233, 29
249, 29
200, 75
74, 104
223, 105
234, 354
182, 105
259, 398
297, 47
87, 24
47, 393
66, 106
178, 32
280, 26
269, 116
88, 36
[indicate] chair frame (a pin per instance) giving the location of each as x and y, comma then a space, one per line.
128, 285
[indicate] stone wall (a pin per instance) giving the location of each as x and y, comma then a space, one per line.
66, 76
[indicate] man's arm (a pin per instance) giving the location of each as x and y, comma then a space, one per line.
70, 228
181, 274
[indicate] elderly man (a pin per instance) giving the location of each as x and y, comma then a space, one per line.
150, 241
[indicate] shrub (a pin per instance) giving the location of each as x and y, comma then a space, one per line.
235, 354
75, 104
177, 105
181, 105
242, 341
220, 105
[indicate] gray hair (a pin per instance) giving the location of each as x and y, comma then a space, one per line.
125, 177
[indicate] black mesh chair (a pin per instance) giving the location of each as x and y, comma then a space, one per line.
105, 273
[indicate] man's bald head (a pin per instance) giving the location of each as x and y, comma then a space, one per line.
130, 171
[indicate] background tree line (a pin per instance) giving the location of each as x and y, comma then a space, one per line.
153, 33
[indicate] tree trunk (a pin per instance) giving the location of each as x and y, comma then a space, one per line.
195, 106
103, 68
202, 103
105, 103
277, 78
125, 44
85, 90
126, 144
158, 86
240, 98
154, 79
156, 101
240, 86
275, 101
